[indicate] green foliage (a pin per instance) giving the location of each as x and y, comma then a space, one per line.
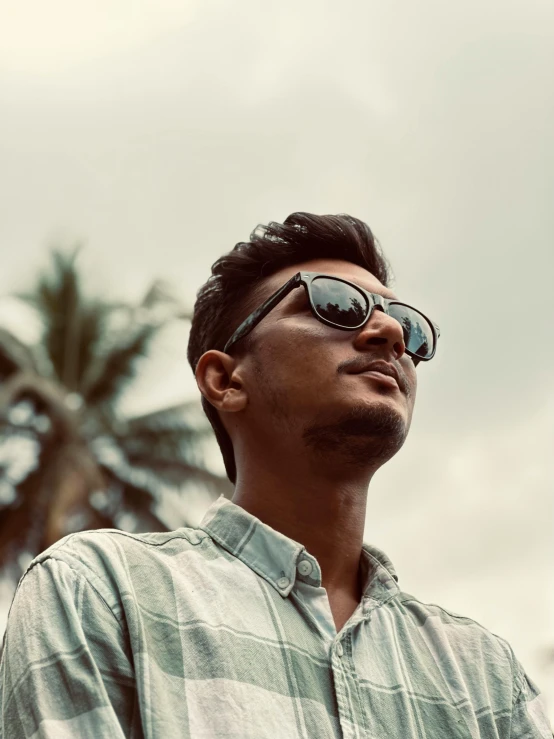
92, 467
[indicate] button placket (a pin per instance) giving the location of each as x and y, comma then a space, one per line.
343, 693
350, 707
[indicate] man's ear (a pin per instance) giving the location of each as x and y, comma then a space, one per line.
219, 381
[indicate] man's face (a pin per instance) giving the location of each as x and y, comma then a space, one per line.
304, 378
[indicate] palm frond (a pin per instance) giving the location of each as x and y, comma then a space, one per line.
165, 417
177, 473
161, 295
166, 445
173, 430
15, 355
58, 299
152, 443
52, 285
131, 499
119, 367
91, 334
46, 396
160, 292
152, 466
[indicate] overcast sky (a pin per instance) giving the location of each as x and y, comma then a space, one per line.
160, 134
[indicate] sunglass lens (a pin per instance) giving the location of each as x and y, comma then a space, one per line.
418, 335
338, 302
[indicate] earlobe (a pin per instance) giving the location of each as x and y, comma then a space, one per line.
218, 380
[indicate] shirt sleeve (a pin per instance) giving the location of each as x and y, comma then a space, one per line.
65, 669
529, 714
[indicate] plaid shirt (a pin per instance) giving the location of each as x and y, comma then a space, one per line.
225, 631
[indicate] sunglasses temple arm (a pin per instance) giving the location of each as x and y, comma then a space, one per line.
248, 324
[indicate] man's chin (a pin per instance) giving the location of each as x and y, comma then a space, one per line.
364, 434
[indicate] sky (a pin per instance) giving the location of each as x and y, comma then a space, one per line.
160, 134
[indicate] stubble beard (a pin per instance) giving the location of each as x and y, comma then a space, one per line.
365, 436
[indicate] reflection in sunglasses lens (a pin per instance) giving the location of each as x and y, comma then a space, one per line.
418, 335
339, 303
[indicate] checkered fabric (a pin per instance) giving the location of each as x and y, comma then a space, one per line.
225, 631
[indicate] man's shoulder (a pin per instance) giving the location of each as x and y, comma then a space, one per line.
81, 543
466, 639
111, 558
474, 660
443, 618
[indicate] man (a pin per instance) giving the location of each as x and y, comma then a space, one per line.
272, 619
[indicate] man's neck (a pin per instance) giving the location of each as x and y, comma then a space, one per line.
325, 515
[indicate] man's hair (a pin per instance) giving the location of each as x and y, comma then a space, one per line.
235, 287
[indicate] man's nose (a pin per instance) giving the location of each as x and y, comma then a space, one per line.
381, 329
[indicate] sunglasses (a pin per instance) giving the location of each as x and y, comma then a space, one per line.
346, 306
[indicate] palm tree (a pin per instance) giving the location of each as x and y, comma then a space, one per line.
92, 467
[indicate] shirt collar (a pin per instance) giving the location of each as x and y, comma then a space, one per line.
276, 558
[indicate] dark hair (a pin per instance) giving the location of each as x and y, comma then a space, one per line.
233, 289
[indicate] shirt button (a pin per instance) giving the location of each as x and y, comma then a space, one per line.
283, 582
340, 650
305, 567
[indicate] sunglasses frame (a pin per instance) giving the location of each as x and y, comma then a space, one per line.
306, 279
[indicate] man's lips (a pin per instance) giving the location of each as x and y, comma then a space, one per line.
380, 370
385, 379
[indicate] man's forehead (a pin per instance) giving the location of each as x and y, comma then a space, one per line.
336, 267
